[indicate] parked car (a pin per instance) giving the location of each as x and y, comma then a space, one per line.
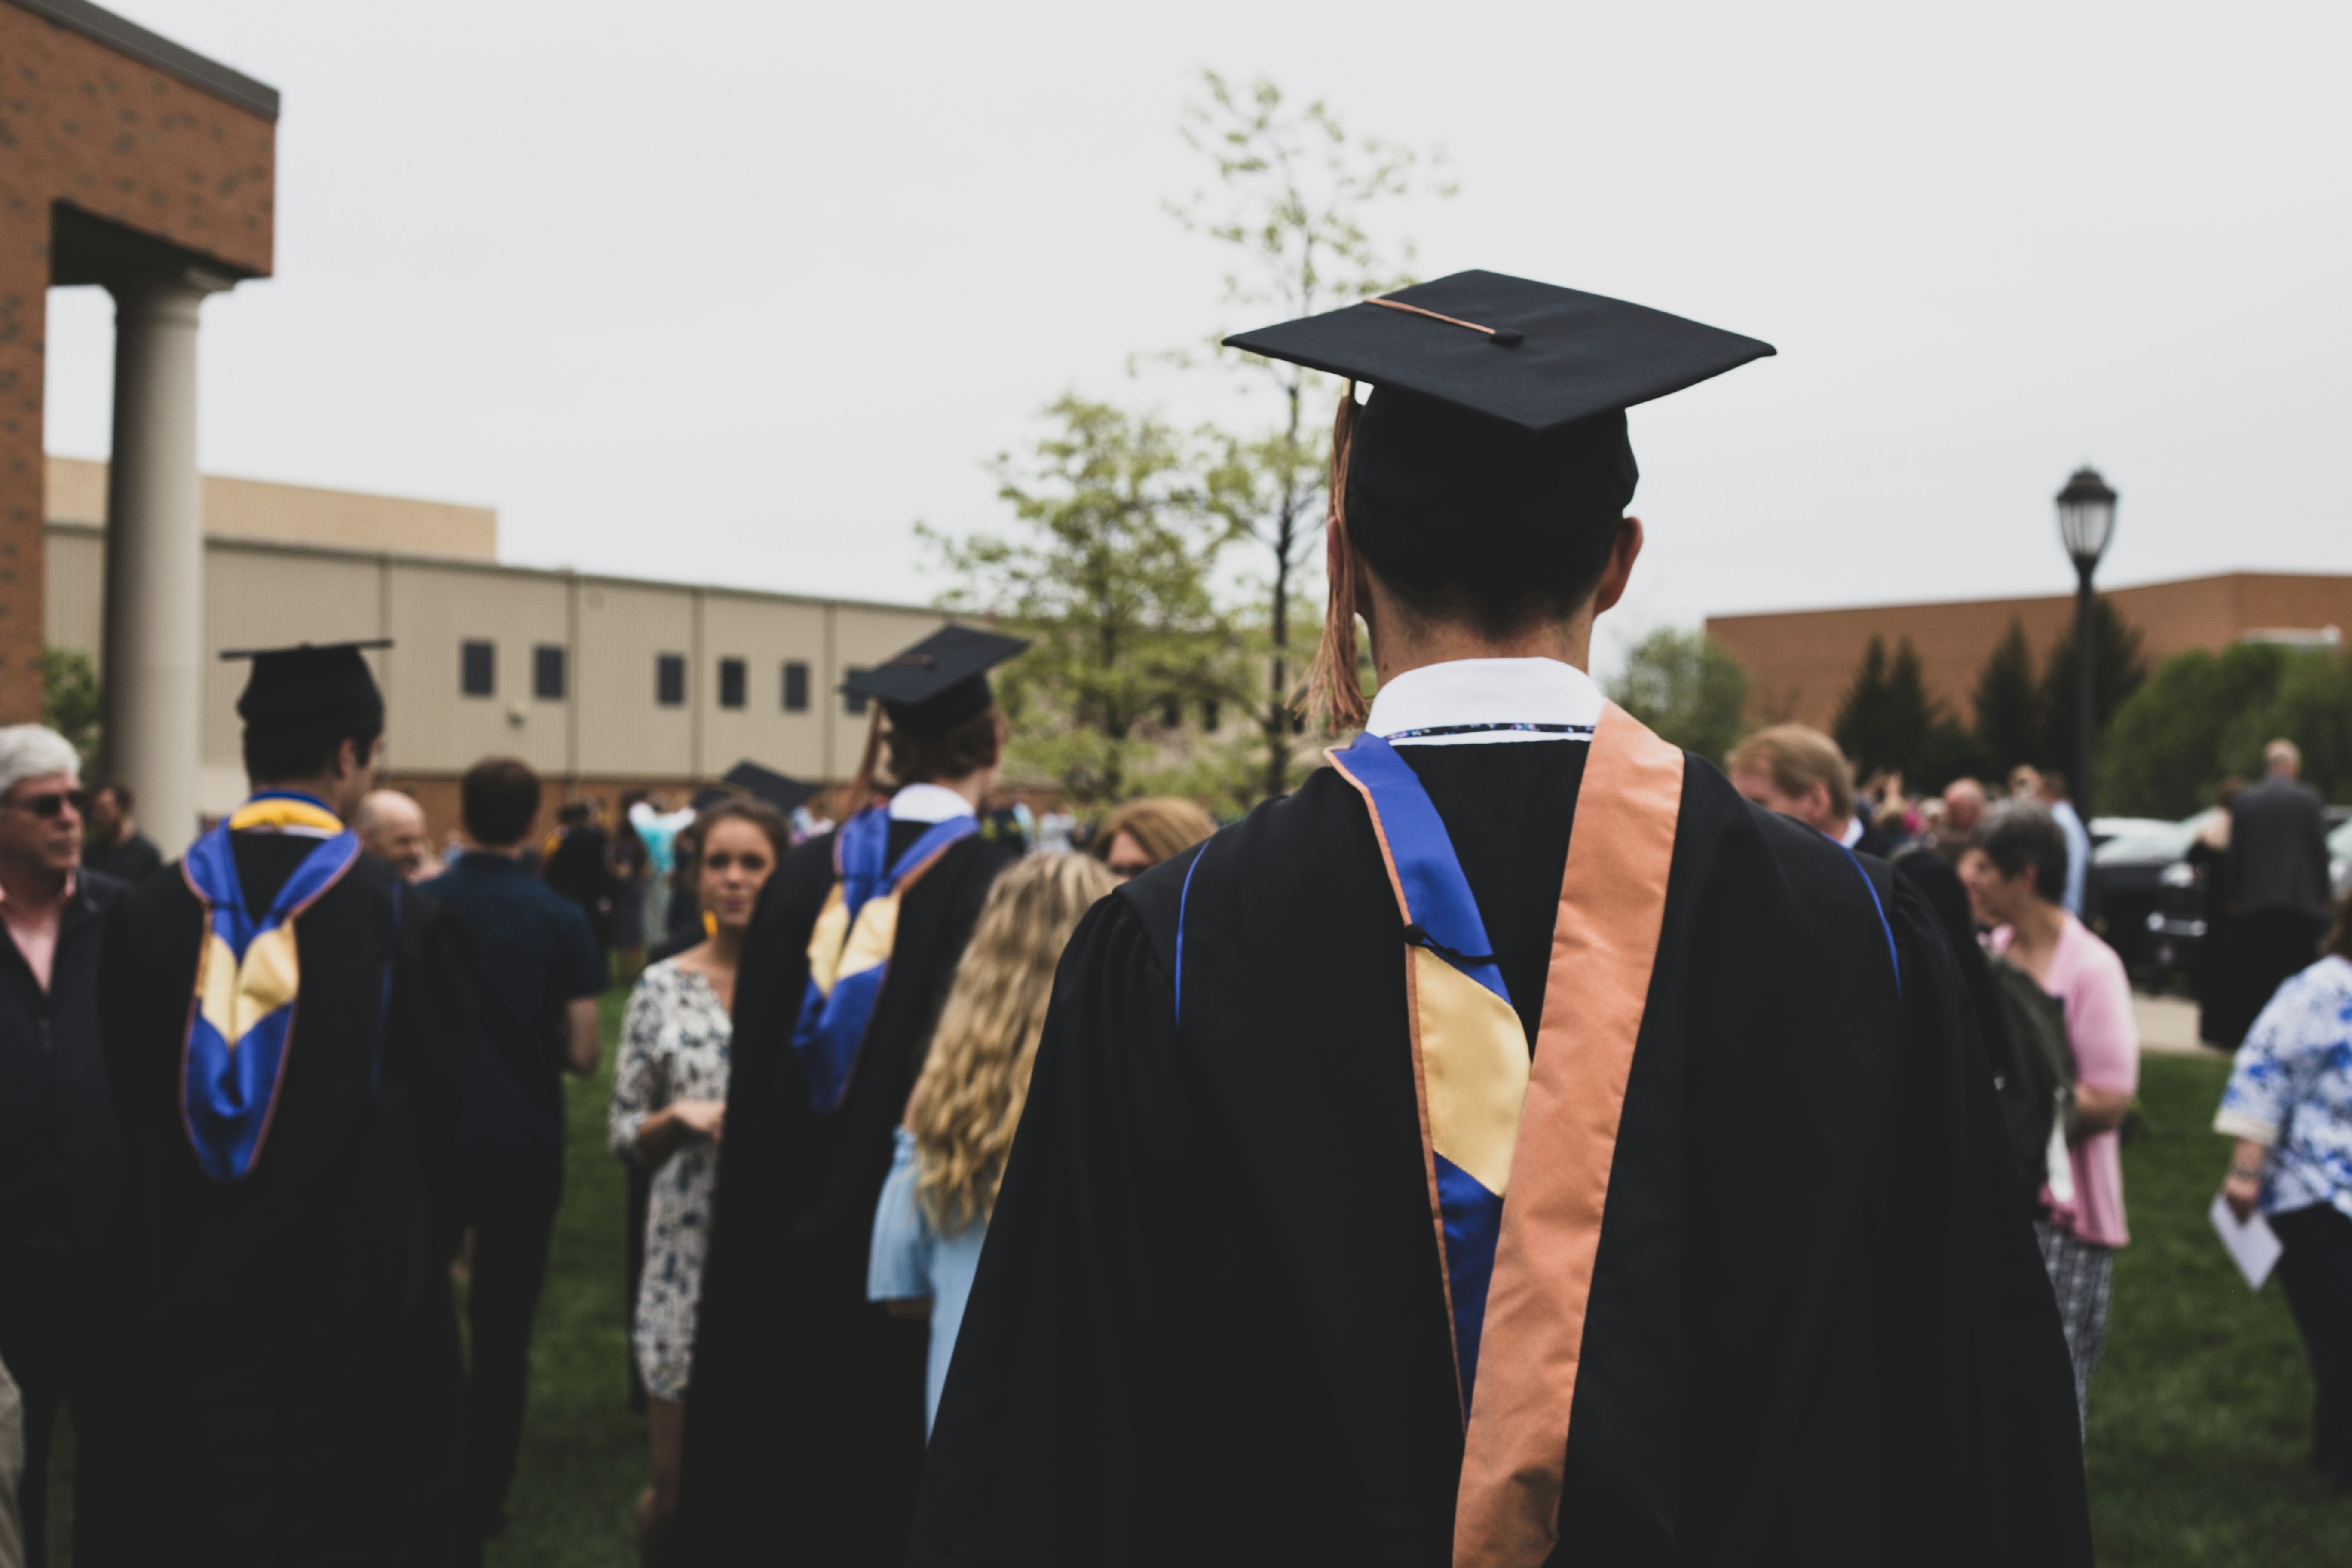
2146, 893
2155, 908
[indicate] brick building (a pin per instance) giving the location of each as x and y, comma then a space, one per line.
1802, 661
129, 163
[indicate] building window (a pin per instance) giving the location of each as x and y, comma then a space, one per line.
796, 686
731, 682
669, 680
853, 702
547, 672
1212, 715
478, 668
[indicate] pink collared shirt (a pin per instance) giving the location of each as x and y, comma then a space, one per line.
2090, 980
34, 932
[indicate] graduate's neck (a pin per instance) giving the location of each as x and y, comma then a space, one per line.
1404, 639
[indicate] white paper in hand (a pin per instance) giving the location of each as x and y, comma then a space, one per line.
2254, 1246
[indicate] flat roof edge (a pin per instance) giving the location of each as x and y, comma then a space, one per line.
2060, 596
259, 545
130, 39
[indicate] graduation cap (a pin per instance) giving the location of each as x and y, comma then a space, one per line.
936, 685
309, 683
749, 781
1498, 396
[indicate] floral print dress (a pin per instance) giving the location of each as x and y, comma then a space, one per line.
674, 1047
2292, 1089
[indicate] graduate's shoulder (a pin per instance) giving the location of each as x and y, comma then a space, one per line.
1731, 850
1270, 856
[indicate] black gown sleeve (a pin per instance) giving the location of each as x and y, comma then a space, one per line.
1978, 1424
432, 1023
1046, 1445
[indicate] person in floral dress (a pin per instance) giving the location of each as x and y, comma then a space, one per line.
670, 1110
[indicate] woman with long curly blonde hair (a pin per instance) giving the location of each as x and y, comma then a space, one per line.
934, 1209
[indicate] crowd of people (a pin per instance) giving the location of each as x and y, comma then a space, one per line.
1522, 1143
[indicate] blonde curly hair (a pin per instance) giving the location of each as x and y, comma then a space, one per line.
967, 1102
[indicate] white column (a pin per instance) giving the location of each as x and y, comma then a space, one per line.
155, 555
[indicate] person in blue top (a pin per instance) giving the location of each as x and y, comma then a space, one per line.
950, 1155
541, 975
2289, 1106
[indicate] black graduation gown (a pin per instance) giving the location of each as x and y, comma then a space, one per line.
804, 1419
288, 1350
1208, 1324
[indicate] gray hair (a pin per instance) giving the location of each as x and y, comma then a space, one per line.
34, 752
2019, 833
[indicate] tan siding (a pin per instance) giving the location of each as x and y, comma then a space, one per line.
434, 725
74, 593
764, 634
623, 627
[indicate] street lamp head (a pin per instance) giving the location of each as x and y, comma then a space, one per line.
2087, 517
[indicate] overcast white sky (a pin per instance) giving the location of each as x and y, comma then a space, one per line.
735, 292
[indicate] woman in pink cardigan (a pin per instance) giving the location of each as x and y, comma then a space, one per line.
2017, 882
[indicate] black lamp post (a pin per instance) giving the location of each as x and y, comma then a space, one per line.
2087, 522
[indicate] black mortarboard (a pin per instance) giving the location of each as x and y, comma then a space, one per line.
1527, 353
1500, 396
939, 683
310, 684
749, 781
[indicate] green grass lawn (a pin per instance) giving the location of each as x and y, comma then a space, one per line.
2200, 1417
2201, 1414
584, 1454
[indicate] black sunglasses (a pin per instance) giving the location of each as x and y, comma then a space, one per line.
54, 802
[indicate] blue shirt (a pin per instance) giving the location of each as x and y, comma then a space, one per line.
2078, 853
2292, 1089
910, 1260
537, 956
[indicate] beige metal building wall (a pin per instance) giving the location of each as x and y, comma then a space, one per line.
433, 610
609, 724
764, 637
626, 629
74, 592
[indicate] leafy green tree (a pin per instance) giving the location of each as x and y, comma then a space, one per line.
2314, 710
1293, 190
2172, 742
2118, 669
70, 700
1110, 575
2008, 729
1687, 687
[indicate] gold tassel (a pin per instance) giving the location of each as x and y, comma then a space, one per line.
1332, 693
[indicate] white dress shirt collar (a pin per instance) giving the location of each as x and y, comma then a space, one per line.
1475, 702
929, 802
1852, 834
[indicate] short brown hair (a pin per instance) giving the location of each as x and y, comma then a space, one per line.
966, 748
498, 799
1161, 825
1798, 756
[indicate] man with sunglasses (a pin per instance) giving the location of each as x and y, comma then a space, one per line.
59, 1156
287, 1028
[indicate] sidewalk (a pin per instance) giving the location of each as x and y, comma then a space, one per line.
2168, 1027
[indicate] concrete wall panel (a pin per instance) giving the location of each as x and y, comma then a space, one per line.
435, 726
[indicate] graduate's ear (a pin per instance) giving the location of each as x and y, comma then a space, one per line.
1622, 553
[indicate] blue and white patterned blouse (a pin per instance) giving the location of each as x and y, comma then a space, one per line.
2292, 1089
